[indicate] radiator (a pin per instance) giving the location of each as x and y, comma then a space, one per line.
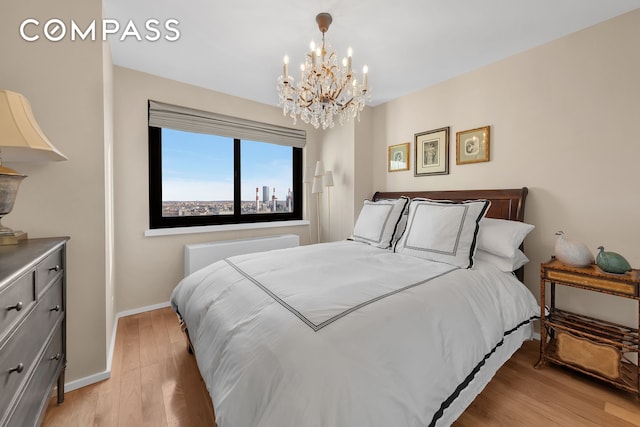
200, 255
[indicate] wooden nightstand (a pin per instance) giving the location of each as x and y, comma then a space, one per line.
589, 345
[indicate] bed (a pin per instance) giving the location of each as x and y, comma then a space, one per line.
381, 329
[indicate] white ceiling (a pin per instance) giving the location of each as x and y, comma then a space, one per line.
236, 47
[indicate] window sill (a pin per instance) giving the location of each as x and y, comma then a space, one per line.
226, 227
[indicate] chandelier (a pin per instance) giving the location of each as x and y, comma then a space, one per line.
325, 89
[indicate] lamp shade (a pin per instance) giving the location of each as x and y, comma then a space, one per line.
21, 139
327, 179
317, 185
319, 168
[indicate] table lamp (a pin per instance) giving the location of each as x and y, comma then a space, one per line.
21, 140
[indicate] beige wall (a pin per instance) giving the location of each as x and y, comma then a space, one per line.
64, 83
564, 122
347, 151
148, 268
109, 243
363, 170
338, 156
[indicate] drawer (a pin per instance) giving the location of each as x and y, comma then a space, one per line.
49, 308
37, 391
601, 283
21, 294
47, 269
26, 342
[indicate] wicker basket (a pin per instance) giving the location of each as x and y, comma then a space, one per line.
600, 358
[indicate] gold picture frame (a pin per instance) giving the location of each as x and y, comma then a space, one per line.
473, 145
432, 152
399, 157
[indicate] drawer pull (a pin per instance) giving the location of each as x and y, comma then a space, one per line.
56, 357
56, 308
17, 369
56, 268
16, 307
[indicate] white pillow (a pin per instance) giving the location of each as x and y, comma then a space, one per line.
502, 237
443, 231
378, 222
502, 263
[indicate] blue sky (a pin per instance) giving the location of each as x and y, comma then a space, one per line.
200, 167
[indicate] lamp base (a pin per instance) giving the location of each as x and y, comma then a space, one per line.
9, 183
13, 239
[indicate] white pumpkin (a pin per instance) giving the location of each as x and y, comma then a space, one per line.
572, 253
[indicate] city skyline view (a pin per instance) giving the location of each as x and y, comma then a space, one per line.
224, 207
199, 167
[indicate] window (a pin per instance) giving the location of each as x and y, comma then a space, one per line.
211, 170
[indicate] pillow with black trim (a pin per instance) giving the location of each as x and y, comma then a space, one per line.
378, 222
443, 231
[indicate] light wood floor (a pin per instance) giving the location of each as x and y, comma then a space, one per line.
155, 382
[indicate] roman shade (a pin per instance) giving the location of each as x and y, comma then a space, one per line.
191, 120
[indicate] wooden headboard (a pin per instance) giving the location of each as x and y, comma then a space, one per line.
505, 204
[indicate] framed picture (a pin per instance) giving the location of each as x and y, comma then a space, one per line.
399, 157
432, 152
472, 146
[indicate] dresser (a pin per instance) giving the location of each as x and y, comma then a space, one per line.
32, 328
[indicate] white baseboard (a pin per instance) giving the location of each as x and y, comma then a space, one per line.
83, 382
536, 335
101, 376
141, 310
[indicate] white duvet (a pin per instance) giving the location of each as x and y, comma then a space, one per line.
344, 334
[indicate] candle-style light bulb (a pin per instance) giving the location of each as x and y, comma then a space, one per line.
349, 55
285, 68
312, 46
365, 72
